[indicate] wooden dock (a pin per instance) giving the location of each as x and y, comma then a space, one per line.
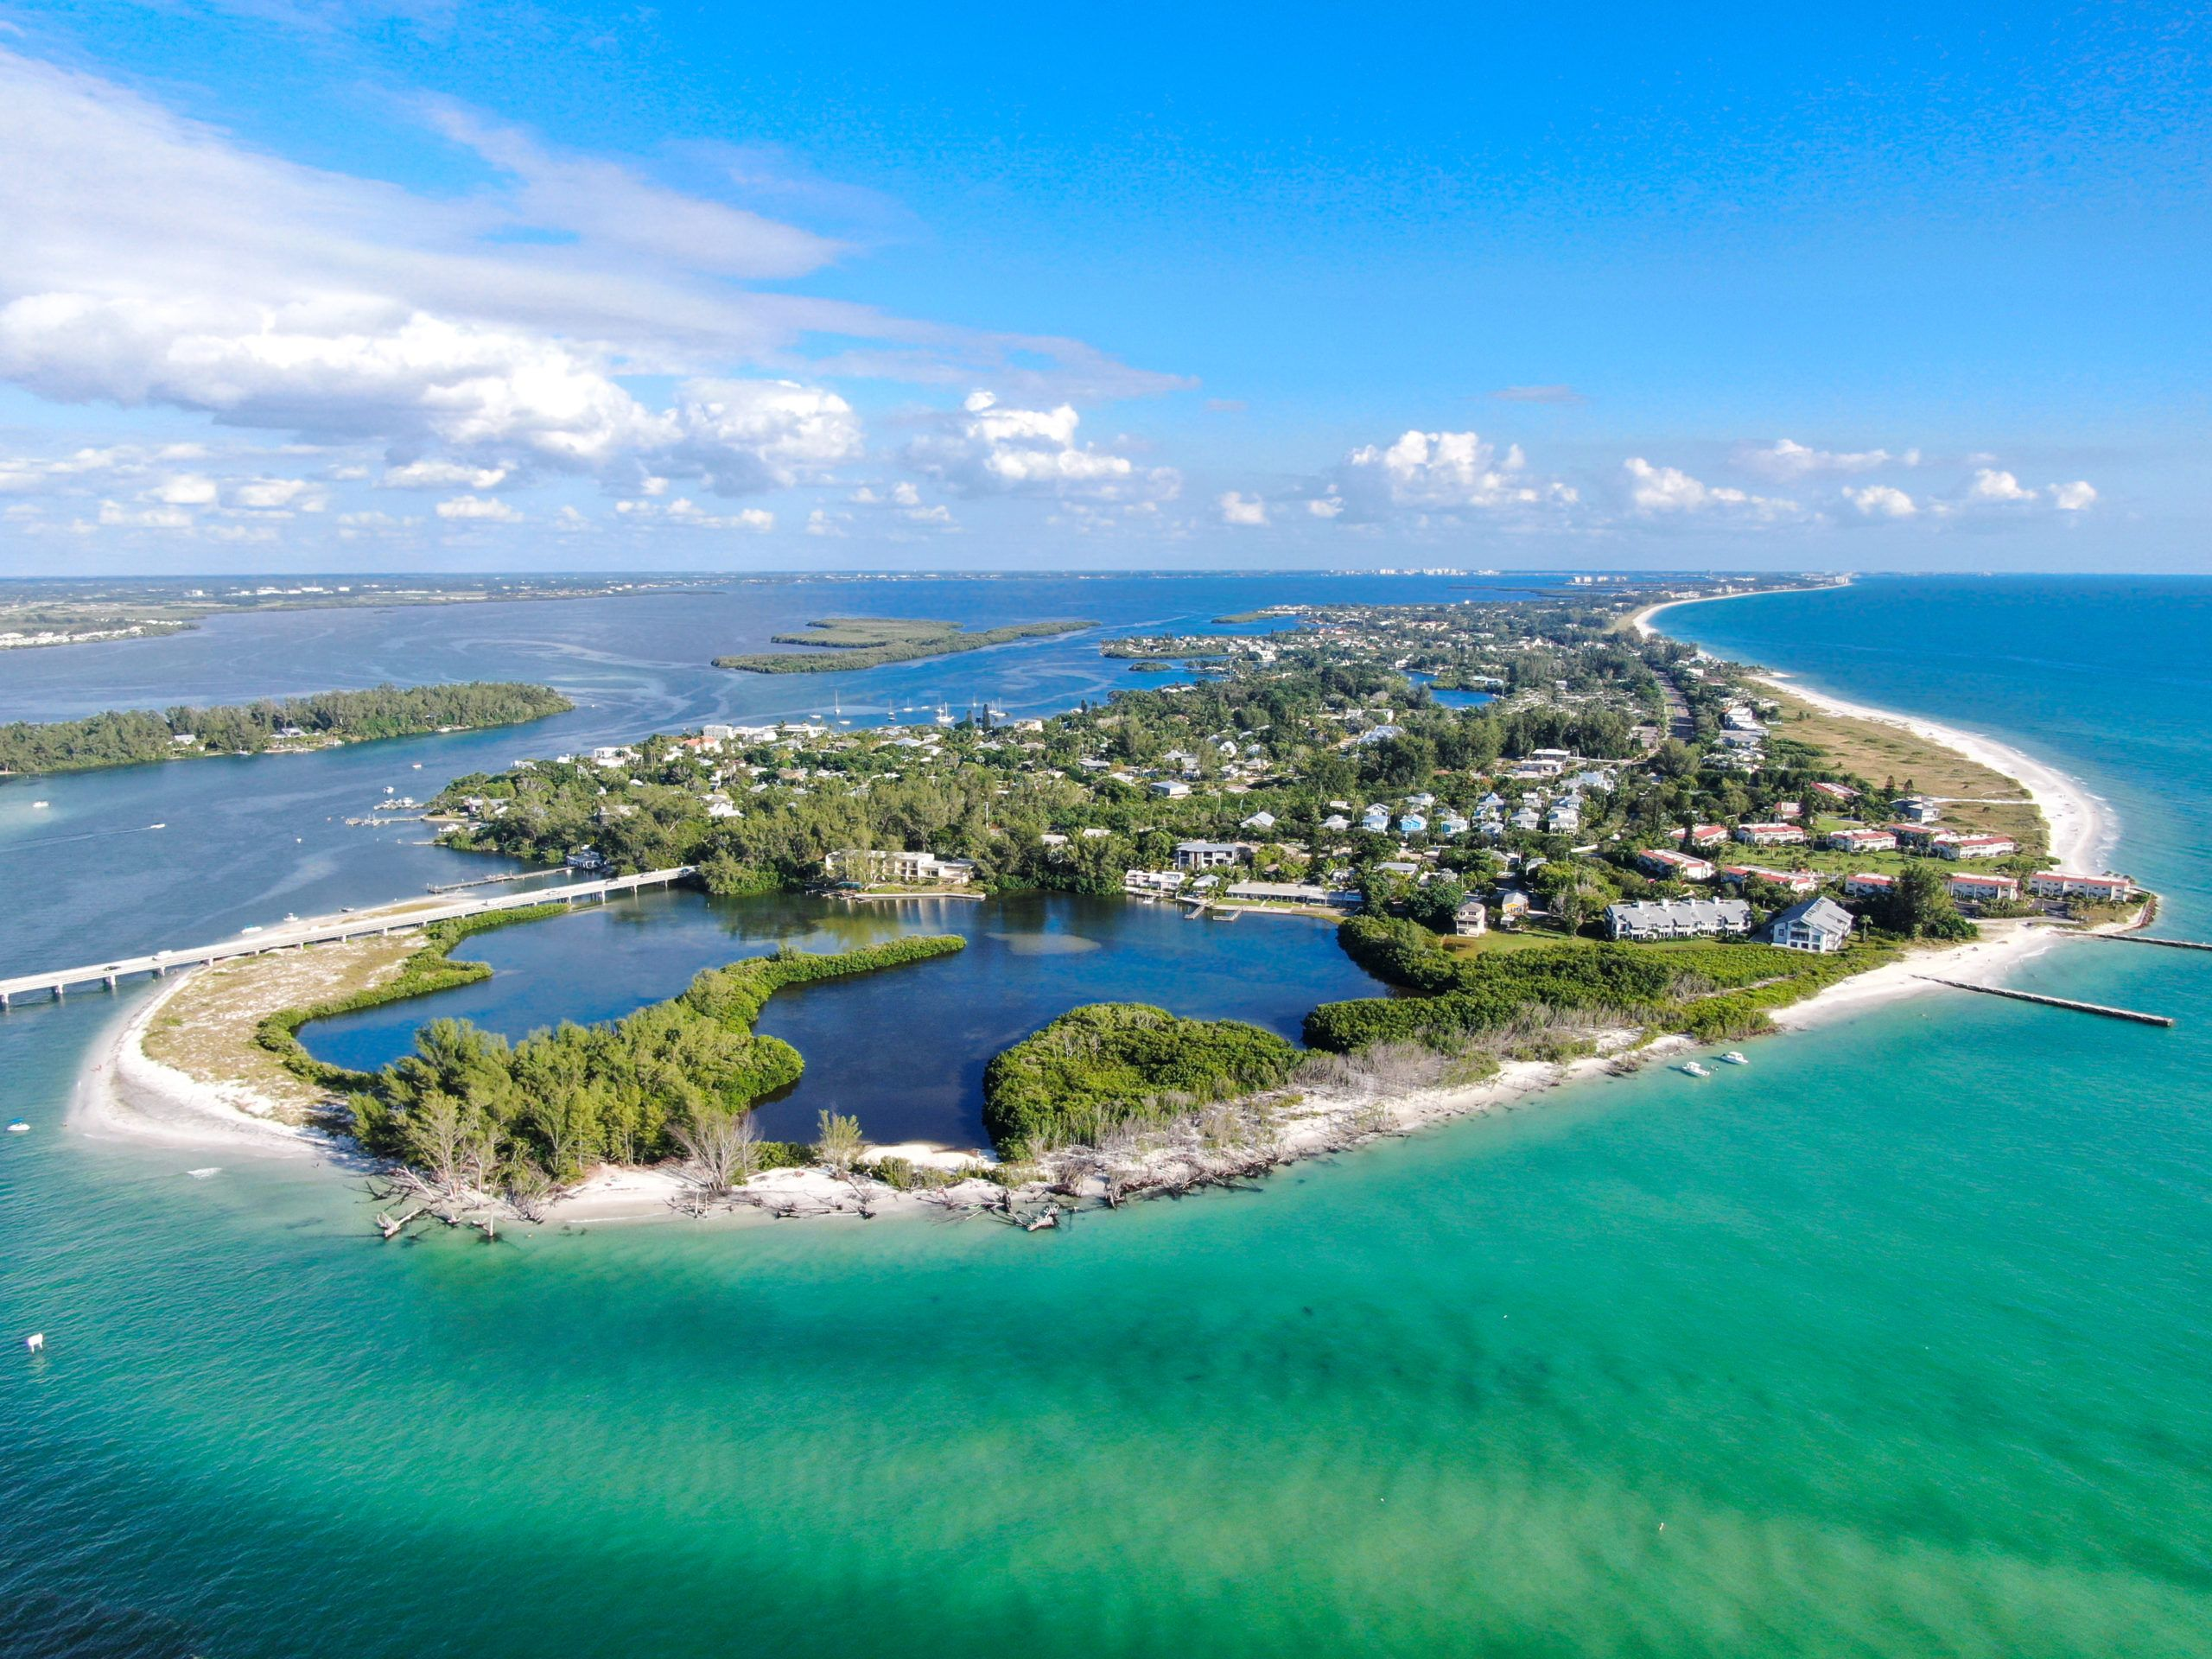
324, 930
2140, 1018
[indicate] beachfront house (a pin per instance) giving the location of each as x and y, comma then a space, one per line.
1648, 920
1980, 888
1977, 847
1154, 883
1206, 854
2061, 884
1818, 924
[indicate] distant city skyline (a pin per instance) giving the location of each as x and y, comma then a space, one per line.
303, 285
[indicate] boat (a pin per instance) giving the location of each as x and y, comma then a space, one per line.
1735, 1057
255, 929
19, 1127
38, 806
944, 718
1692, 1068
157, 826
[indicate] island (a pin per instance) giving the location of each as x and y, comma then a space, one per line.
132, 737
1632, 847
839, 644
73, 611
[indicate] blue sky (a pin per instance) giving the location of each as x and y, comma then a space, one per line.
301, 284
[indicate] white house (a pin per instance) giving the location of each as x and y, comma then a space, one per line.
1206, 854
1172, 788
1259, 821
1818, 924
1769, 834
1677, 918
1472, 919
1998, 889
1670, 865
1867, 884
1977, 847
2060, 884
1862, 840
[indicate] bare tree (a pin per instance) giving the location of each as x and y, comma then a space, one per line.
722, 1147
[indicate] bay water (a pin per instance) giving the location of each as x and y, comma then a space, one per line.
1894, 1342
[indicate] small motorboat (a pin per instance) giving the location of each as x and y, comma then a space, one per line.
19, 1127
1734, 1057
1692, 1068
38, 806
157, 826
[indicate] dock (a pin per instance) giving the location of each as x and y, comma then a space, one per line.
2140, 1018
325, 930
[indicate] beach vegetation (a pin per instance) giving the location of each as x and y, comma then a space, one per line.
840, 643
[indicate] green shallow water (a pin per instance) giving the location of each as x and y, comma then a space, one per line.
1894, 1343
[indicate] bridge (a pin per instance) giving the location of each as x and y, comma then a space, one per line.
325, 929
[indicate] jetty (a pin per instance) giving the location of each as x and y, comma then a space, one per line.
2144, 939
2139, 1017
325, 930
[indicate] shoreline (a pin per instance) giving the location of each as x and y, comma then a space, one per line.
124, 1094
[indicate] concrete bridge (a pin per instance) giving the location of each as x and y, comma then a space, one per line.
325, 929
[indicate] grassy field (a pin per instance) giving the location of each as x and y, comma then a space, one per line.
1979, 799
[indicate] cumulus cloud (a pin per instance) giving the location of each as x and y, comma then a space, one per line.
344, 309
1326, 506
1667, 490
2076, 497
185, 490
989, 448
487, 508
1441, 472
1237, 509
1785, 460
275, 495
1882, 501
442, 475
1991, 484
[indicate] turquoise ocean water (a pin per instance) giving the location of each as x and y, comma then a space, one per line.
1896, 1343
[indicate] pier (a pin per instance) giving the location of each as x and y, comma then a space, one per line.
2140, 1018
325, 929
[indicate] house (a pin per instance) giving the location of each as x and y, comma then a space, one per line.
1977, 847
867, 865
1769, 834
1472, 919
1451, 823
1677, 918
1834, 792
1862, 840
1867, 884
1920, 837
1206, 854
1096, 832
1985, 889
1411, 824
1259, 821
1917, 809
1376, 819
1701, 835
1819, 924
1159, 882
1670, 865
1278, 893
1172, 788
1794, 881
1790, 811
1527, 818
1512, 906
589, 859
1335, 822
1564, 819
2059, 884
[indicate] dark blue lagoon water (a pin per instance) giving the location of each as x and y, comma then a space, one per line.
1894, 1343
903, 1051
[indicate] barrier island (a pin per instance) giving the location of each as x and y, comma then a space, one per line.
132, 737
838, 645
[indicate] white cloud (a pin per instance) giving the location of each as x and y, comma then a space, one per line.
1656, 490
152, 259
1882, 501
485, 507
275, 494
1237, 509
1786, 460
185, 490
687, 512
2076, 497
1440, 472
442, 475
1992, 485
988, 449
116, 515
1326, 506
